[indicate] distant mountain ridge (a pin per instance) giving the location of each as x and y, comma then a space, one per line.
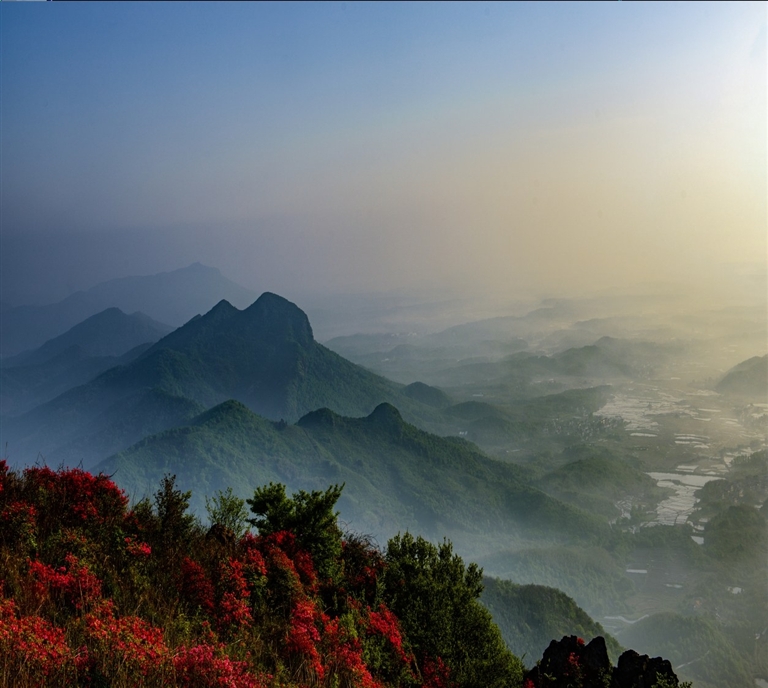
169, 297
110, 332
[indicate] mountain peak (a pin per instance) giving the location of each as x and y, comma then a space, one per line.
280, 317
386, 415
320, 417
222, 307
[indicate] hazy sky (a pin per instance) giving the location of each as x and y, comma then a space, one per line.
363, 147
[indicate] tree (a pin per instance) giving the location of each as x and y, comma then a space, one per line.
436, 599
176, 525
228, 510
308, 515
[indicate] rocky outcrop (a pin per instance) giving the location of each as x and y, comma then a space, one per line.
569, 663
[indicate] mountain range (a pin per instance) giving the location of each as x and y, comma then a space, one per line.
264, 356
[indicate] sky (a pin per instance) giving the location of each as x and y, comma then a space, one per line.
335, 148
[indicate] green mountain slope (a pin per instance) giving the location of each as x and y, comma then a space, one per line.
24, 387
530, 616
397, 477
590, 575
101, 342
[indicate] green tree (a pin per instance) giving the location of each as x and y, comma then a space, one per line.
175, 524
228, 510
308, 515
436, 599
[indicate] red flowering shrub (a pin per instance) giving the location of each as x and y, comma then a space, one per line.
385, 624
573, 669
74, 583
206, 666
139, 550
234, 607
253, 560
302, 641
362, 565
196, 587
33, 651
344, 656
127, 646
436, 674
71, 497
284, 583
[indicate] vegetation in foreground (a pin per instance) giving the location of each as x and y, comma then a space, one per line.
96, 593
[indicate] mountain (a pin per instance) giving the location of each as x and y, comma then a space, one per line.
596, 480
108, 333
396, 477
552, 315
529, 616
749, 379
264, 356
432, 396
170, 297
534, 426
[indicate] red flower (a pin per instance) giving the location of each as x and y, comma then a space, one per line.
32, 646
303, 635
125, 644
436, 674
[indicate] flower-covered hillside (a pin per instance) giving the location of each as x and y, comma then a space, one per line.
94, 592
97, 593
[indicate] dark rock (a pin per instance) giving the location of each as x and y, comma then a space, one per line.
568, 663
641, 671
